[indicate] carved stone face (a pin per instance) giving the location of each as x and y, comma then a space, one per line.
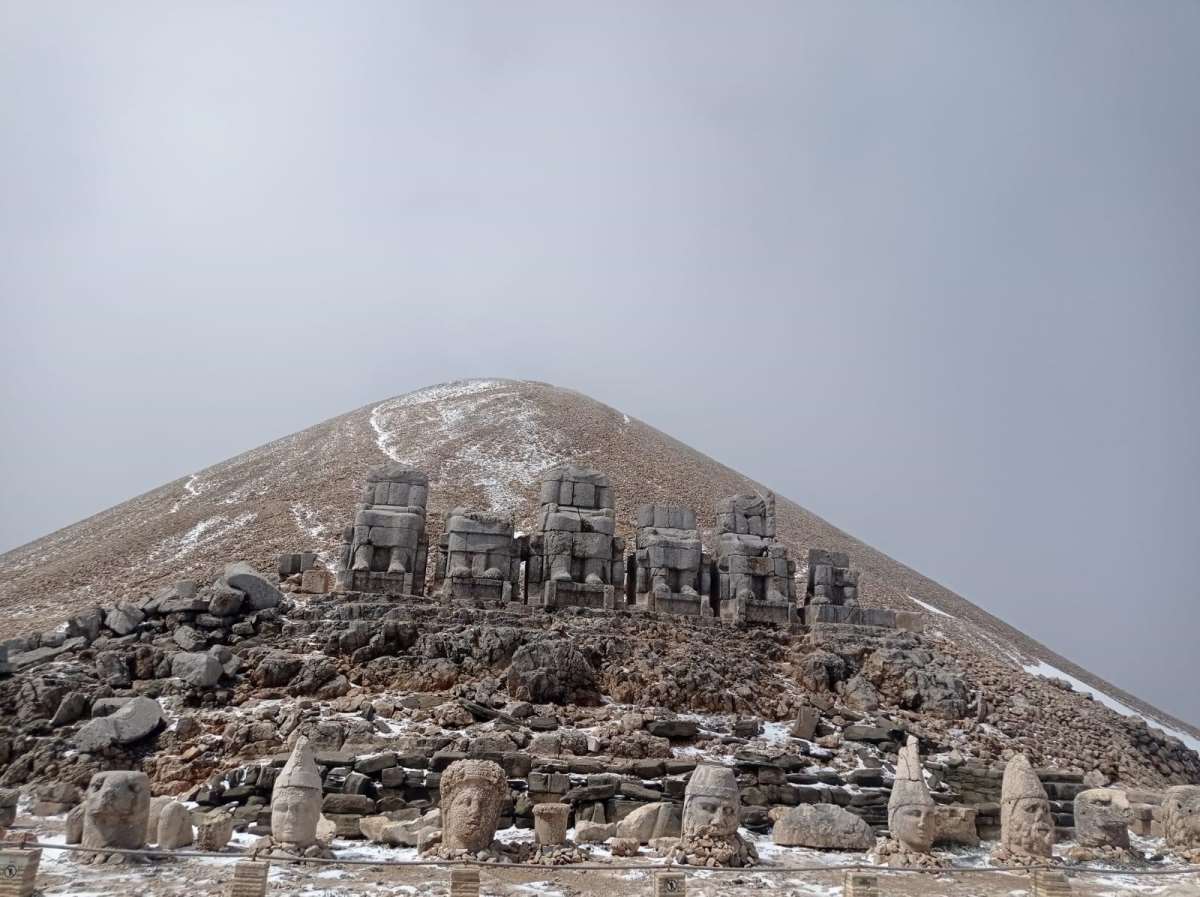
915, 826
1181, 817
473, 794
116, 810
295, 813
711, 805
1030, 827
714, 815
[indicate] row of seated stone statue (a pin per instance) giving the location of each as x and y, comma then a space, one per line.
575, 558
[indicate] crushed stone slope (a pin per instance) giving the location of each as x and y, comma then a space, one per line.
483, 443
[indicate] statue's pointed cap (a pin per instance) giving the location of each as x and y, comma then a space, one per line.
714, 781
909, 787
300, 771
1020, 781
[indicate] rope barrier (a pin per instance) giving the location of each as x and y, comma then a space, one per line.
593, 867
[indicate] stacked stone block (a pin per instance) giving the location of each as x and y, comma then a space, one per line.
830, 579
478, 558
755, 578
673, 572
294, 562
386, 548
574, 557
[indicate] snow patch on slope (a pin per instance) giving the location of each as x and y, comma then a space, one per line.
203, 533
1048, 671
511, 455
930, 607
192, 491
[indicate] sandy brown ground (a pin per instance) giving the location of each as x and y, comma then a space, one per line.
61, 876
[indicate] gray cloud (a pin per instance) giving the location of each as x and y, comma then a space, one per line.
928, 269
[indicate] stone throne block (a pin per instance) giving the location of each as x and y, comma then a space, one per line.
831, 593
574, 557
755, 578
672, 569
478, 559
386, 549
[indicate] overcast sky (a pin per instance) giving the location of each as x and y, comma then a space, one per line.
931, 269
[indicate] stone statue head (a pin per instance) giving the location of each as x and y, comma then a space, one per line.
296, 799
711, 805
1181, 817
472, 795
116, 810
1026, 825
1101, 818
912, 814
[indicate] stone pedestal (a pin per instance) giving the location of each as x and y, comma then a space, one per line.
18, 872
772, 613
550, 823
860, 884
670, 884
464, 882
576, 594
249, 879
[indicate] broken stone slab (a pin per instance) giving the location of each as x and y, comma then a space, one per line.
260, 593
138, 718
28, 659
70, 709
673, 728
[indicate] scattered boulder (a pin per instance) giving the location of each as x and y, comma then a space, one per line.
124, 618
136, 719
197, 670
553, 671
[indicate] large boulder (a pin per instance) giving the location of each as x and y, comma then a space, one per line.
136, 719
276, 669
197, 670
124, 618
823, 827
552, 672
260, 593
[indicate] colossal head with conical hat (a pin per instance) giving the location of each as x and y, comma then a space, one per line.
1026, 824
912, 818
296, 799
711, 804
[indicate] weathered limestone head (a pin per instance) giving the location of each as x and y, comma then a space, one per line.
711, 804
296, 799
1181, 817
1026, 825
912, 814
1102, 818
116, 810
472, 795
